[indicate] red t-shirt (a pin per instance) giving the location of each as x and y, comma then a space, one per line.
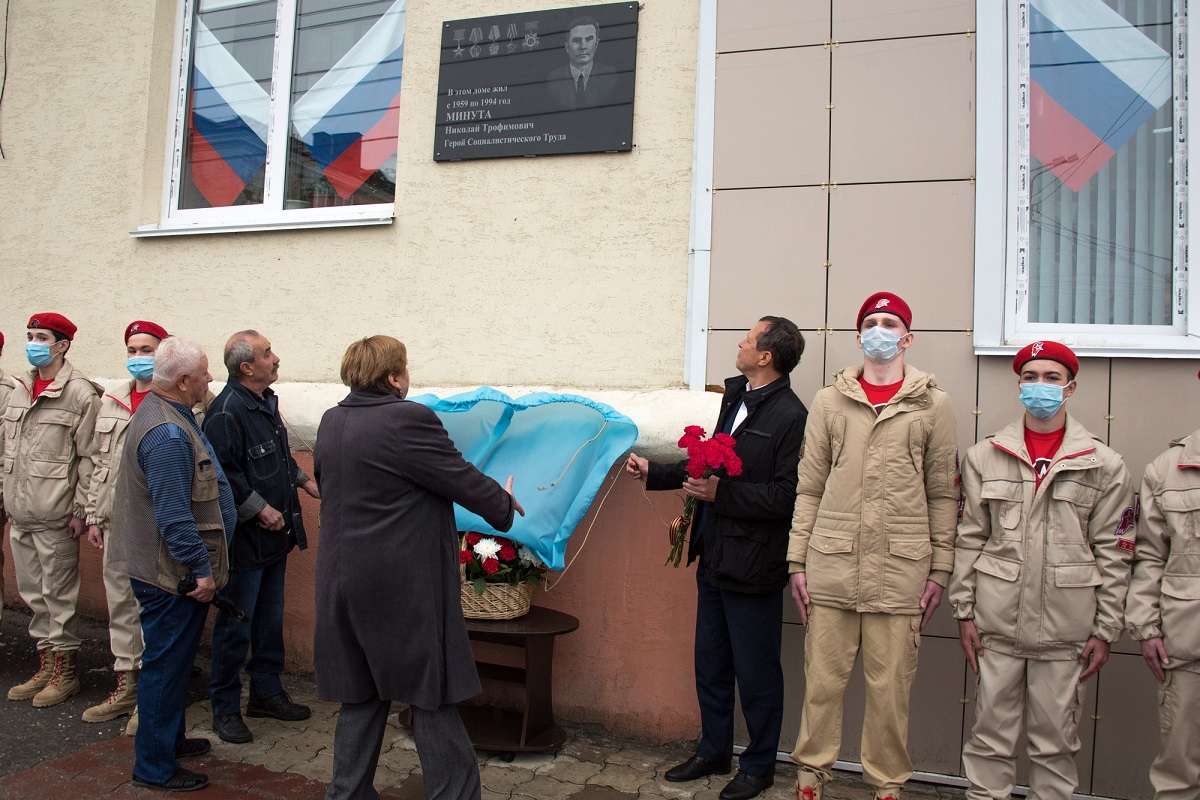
1042, 447
878, 396
40, 385
135, 398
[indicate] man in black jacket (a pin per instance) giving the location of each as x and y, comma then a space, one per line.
740, 535
250, 440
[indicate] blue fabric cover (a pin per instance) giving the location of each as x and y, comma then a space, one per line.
534, 438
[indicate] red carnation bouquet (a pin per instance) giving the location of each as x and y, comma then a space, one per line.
705, 458
495, 559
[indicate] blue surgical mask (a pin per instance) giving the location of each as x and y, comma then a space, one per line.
880, 345
141, 367
38, 353
1042, 399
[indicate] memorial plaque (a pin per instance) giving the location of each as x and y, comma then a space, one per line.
538, 83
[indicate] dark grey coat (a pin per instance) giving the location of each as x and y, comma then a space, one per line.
389, 620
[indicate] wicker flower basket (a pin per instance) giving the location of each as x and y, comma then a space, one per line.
498, 601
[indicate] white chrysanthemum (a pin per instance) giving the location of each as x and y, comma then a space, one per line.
528, 557
487, 548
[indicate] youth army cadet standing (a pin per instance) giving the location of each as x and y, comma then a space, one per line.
47, 470
1040, 573
1163, 610
124, 622
872, 545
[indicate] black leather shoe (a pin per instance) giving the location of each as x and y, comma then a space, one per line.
745, 786
182, 781
192, 748
232, 729
278, 706
695, 768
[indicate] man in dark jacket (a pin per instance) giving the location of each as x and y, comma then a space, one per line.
245, 428
740, 535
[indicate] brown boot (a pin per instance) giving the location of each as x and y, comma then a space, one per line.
64, 683
131, 728
45, 671
122, 701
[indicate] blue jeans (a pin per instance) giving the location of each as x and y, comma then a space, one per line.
171, 627
258, 592
739, 637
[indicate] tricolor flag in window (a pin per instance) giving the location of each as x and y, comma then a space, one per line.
349, 120
1095, 79
226, 122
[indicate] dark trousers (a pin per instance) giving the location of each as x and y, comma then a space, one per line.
448, 762
171, 627
739, 637
258, 592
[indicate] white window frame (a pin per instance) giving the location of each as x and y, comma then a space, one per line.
271, 214
997, 328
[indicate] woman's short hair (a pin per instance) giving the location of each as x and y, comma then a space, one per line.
369, 362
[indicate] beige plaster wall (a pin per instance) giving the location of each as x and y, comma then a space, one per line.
568, 270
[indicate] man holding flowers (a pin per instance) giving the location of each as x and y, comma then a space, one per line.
740, 536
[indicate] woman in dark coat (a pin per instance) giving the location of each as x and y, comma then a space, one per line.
389, 621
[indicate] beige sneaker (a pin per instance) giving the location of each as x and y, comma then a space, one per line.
122, 701
45, 671
64, 683
131, 728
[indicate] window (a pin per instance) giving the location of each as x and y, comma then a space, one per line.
286, 115
1082, 212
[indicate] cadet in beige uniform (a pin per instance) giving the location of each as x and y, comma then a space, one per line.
124, 624
6, 385
1041, 567
872, 545
1163, 611
47, 469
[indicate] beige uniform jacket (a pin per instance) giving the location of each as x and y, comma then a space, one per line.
48, 450
1042, 569
6, 387
116, 409
877, 495
1164, 592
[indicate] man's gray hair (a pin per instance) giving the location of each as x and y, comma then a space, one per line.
238, 351
175, 358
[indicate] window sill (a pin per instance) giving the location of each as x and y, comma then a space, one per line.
1188, 347
281, 222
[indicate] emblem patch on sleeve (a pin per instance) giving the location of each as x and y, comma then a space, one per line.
1125, 544
1125, 526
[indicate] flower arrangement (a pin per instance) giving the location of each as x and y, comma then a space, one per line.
495, 559
705, 458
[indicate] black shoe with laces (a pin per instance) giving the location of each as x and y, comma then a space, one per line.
232, 729
278, 706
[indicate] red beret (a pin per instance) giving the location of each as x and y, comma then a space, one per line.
142, 326
53, 322
1, 338
886, 302
1053, 351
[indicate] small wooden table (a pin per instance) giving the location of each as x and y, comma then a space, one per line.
532, 729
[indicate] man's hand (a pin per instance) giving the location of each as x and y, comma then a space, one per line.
206, 589
1156, 658
972, 645
701, 488
638, 467
269, 519
516, 505
800, 595
1094, 654
95, 536
930, 600
311, 489
76, 527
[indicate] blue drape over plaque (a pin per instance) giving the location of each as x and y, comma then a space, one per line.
557, 447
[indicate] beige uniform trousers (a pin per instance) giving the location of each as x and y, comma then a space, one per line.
1048, 695
1175, 773
889, 645
47, 567
124, 616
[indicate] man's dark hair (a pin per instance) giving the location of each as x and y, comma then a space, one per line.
575, 23
783, 341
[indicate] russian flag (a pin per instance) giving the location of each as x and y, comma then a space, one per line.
350, 118
1095, 80
227, 122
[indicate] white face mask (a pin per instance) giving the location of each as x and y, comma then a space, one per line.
880, 345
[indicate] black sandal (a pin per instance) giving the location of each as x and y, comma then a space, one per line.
193, 747
182, 781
